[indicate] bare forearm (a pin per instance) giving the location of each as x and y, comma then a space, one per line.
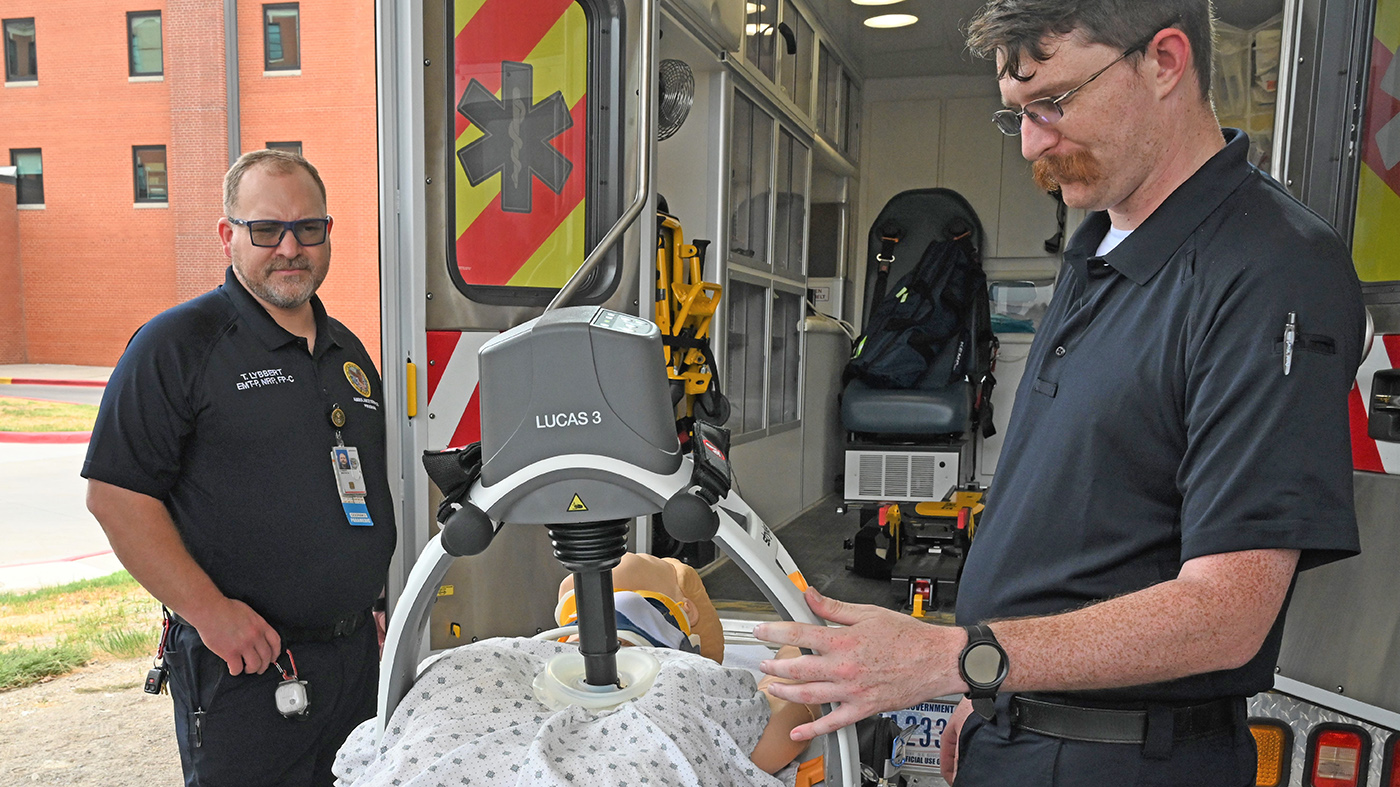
146, 541
1193, 624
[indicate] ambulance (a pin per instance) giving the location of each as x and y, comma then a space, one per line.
519, 138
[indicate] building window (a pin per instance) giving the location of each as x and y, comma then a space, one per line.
29, 186
145, 57
290, 147
282, 37
20, 65
152, 181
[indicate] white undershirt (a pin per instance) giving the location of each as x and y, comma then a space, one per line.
1110, 241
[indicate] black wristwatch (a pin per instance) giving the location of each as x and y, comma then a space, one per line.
983, 666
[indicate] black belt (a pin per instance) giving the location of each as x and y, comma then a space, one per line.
341, 628
1108, 725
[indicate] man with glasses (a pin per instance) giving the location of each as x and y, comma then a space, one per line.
214, 470
1176, 453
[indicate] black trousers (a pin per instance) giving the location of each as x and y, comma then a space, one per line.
993, 754
241, 740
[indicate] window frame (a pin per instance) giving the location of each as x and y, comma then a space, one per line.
19, 176
136, 164
603, 167
131, 18
34, 45
287, 146
267, 9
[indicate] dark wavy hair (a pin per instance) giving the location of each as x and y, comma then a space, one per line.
1019, 27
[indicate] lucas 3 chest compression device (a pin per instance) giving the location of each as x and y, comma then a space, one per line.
578, 433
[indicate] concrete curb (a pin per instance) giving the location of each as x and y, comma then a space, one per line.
38, 381
51, 438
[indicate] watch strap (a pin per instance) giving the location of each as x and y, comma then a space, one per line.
983, 697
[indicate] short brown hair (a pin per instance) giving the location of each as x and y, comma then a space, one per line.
1014, 27
280, 161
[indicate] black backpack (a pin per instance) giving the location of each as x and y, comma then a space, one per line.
939, 306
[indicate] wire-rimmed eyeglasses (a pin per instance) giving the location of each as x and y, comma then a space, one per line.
267, 233
1048, 111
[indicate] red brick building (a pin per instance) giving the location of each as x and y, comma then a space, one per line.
116, 115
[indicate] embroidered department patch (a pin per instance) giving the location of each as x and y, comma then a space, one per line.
357, 377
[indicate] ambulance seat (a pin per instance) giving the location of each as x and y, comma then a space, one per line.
908, 434
934, 406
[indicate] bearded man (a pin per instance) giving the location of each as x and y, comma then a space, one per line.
213, 470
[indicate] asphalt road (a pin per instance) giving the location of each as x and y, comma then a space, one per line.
74, 394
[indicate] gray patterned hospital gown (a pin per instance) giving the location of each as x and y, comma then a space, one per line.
472, 719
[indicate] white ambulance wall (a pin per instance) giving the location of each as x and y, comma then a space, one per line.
922, 132
685, 167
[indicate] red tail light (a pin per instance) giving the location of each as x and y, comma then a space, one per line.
1338, 756
1390, 774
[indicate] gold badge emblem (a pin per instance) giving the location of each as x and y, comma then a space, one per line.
357, 377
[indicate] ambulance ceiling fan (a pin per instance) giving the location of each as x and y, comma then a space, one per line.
676, 90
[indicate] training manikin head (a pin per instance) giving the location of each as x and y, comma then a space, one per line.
676, 581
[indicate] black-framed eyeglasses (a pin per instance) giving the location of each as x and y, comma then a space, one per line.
1048, 111
267, 233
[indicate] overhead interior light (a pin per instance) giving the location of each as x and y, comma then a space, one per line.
876, 2
891, 20
754, 8
758, 30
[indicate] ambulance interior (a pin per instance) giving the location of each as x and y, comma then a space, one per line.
835, 117
791, 124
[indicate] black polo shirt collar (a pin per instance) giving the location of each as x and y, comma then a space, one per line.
1142, 254
272, 335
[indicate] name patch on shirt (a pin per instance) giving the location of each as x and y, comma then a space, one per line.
262, 379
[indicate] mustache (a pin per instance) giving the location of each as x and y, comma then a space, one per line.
295, 264
1052, 171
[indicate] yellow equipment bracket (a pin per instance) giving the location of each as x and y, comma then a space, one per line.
685, 306
952, 509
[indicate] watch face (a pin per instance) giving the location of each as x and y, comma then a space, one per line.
983, 664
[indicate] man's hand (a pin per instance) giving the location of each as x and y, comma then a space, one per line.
948, 741
145, 539
881, 660
239, 636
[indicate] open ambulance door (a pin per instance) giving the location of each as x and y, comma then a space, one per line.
1339, 135
508, 150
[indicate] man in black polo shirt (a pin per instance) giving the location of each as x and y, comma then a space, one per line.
214, 469
1178, 447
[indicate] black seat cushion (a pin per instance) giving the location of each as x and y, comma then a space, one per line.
917, 412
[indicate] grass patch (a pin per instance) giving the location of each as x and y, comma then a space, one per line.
23, 666
25, 415
51, 631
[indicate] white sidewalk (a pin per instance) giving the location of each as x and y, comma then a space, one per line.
48, 536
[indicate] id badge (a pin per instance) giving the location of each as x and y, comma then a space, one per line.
350, 480
348, 475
